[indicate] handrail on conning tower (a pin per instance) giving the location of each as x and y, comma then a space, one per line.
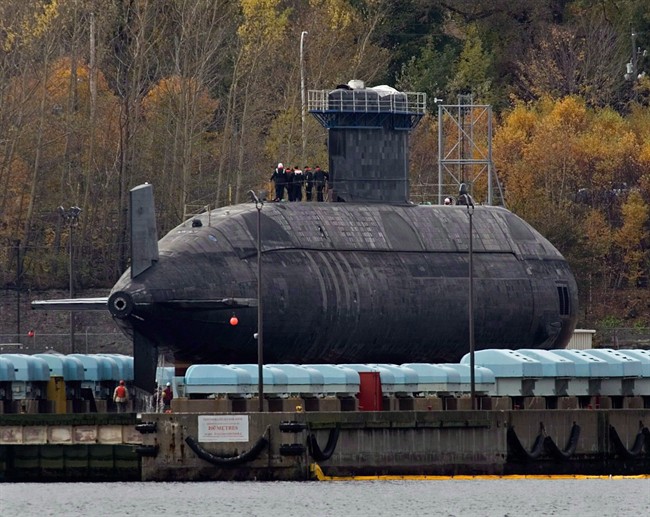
359, 101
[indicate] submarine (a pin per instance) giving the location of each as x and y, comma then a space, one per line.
366, 278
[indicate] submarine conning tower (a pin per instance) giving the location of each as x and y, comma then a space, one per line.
368, 130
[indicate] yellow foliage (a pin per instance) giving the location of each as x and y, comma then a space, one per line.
282, 143
639, 121
605, 148
521, 121
644, 154
339, 13
598, 233
513, 136
26, 25
569, 113
9, 40
631, 236
635, 216
553, 148
263, 22
40, 22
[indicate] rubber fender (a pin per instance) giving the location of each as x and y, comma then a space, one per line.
151, 451
225, 461
292, 449
146, 427
567, 452
322, 455
637, 447
518, 450
292, 427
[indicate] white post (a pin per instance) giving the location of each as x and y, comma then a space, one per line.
302, 94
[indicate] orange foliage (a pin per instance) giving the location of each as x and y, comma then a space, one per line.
558, 148
58, 83
167, 96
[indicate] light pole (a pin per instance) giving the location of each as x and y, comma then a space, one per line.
302, 94
71, 218
632, 67
18, 277
464, 198
260, 336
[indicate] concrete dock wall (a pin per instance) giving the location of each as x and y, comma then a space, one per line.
285, 445
51, 447
399, 442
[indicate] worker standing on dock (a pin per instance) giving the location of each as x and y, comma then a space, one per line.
167, 397
121, 397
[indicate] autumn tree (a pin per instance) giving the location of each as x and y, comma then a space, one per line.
135, 31
472, 71
177, 148
582, 58
631, 240
567, 169
177, 112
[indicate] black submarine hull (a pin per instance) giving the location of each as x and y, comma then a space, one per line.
347, 283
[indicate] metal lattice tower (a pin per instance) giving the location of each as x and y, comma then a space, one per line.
465, 150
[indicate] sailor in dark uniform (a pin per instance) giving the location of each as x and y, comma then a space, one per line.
280, 179
309, 182
298, 181
290, 191
320, 178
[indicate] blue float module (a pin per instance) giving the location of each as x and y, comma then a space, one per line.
512, 373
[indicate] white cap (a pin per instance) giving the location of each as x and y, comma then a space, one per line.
169, 384
280, 165
447, 201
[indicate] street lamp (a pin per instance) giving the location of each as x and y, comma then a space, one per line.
302, 94
71, 218
259, 335
632, 67
18, 278
464, 198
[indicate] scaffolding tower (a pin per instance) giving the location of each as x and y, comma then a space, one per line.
465, 151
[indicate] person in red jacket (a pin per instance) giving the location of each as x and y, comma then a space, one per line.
167, 397
121, 397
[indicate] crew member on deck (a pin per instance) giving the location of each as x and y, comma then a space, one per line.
320, 178
289, 176
298, 181
309, 182
280, 178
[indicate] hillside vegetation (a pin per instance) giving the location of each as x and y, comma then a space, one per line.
203, 97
